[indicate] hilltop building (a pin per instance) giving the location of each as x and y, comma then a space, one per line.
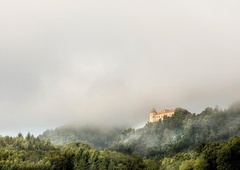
154, 116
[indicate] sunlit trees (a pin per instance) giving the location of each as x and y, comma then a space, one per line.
40, 154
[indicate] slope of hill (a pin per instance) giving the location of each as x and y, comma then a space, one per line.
181, 132
31, 153
210, 156
97, 137
210, 140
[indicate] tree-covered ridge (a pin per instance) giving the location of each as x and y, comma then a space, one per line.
28, 143
30, 153
180, 132
96, 137
185, 141
79, 156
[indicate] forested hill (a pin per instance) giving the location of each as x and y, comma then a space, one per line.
30, 153
95, 136
210, 140
181, 132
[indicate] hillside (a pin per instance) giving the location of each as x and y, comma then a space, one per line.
30, 153
95, 136
175, 134
181, 132
185, 141
210, 156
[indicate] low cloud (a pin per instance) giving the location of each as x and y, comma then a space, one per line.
111, 62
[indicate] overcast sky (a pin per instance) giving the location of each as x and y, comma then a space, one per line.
111, 61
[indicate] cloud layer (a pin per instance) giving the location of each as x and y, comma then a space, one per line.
109, 62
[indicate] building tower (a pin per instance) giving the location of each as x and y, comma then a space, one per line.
152, 115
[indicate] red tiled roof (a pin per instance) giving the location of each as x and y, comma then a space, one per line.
165, 111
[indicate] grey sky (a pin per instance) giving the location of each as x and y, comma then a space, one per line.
112, 61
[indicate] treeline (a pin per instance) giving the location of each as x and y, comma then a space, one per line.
30, 153
28, 143
97, 137
181, 132
185, 141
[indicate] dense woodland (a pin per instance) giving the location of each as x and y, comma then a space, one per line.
210, 156
181, 132
185, 141
30, 153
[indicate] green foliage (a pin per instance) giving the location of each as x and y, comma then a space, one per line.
185, 141
216, 155
32, 153
181, 132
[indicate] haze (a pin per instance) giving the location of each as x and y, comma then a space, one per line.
109, 62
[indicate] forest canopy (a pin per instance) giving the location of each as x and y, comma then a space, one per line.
209, 140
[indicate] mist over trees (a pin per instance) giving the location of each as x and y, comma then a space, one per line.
97, 137
181, 132
210, 156
206, 141
175, 134
31, 153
